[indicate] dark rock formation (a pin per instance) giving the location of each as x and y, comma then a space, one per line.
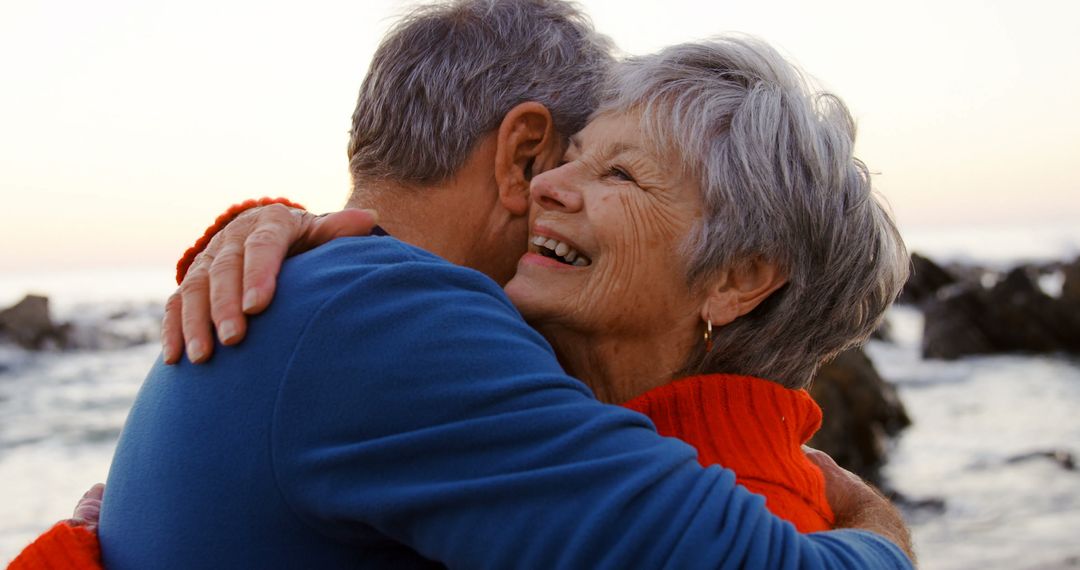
1070, 291
29, 325
951, 324
1012, 316
861, 411
1061, 457
917, 506
925, 280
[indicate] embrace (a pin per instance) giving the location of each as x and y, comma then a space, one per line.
575, 257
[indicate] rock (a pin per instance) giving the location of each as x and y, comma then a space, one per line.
1063, 458
1022, 317
1070, 291
925, 280
29, 325
1013, 316
861, 410
950, 324
931, 505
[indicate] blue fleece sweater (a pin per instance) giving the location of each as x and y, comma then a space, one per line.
392, 410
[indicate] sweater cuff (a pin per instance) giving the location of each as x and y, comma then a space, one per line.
63, 546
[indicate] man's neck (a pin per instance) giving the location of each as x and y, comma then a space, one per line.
425, 217
460, 219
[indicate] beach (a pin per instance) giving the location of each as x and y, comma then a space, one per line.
978, 489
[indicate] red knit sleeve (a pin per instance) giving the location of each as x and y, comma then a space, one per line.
221, 221
64, 546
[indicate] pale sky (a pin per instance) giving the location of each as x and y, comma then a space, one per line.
126, 126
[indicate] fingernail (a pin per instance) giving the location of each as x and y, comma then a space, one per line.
374, 215
168, 355
251, 297
195, 351
227, 331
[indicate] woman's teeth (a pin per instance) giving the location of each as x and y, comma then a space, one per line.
560, 251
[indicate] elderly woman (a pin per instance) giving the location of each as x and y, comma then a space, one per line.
710, 241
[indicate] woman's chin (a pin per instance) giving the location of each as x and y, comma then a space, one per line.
546, 291
534, 300
522, 295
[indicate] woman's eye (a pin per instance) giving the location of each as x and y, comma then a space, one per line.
620, 174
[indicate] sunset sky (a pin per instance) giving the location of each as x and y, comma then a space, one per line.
126, 126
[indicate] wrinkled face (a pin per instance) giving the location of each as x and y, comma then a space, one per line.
605, 231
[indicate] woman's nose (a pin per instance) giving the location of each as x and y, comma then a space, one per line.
553, 190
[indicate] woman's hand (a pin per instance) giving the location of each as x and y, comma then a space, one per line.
237, 273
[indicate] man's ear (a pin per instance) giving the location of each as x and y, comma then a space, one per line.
526, 144
737, 291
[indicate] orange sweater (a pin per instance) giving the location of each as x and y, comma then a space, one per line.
755, 428
751, 426
64, 547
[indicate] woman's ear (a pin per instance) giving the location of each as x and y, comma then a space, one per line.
527, 144
737, 291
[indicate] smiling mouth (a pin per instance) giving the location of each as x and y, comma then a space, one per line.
559, 251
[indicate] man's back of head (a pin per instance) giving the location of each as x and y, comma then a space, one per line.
447, 73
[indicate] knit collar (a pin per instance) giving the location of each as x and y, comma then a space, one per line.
725, 404
754, 427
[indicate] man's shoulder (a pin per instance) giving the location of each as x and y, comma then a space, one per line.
375, 261
352, 257
373, 249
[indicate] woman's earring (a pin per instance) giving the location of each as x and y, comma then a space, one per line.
708, 336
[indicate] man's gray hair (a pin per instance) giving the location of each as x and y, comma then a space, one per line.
447, 73
779, 182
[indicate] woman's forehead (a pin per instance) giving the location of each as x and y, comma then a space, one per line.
611, 134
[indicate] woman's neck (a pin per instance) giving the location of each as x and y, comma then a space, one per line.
618, 368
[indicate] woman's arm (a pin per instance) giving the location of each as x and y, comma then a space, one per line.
232, 271
68, 544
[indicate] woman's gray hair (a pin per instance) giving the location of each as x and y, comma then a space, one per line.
779, 181
449, 72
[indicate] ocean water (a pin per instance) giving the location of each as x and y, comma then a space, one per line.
61, 412
979, 428
983, 504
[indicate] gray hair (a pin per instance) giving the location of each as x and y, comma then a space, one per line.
448, 73
779, 181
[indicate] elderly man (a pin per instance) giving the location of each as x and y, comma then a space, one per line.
392, 409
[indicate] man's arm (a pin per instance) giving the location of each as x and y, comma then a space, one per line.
858, 505
418, 403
